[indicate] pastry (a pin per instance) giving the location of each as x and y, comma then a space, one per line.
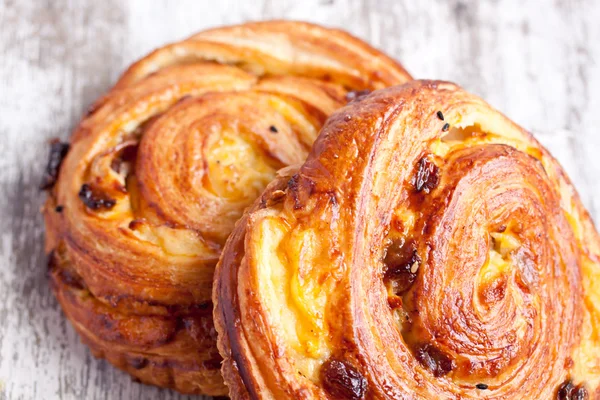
143, 198
428, 248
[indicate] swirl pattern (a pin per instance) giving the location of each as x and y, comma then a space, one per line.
163, 165
427, 248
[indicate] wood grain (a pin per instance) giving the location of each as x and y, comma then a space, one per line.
539, 65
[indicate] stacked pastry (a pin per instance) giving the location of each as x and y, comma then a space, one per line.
423, 247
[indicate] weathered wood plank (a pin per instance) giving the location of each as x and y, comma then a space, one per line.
540, 67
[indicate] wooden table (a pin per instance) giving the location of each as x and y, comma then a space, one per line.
537, 61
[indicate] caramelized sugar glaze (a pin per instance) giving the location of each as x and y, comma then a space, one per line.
427, 248
163, 165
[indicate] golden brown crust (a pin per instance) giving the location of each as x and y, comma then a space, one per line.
162, 167
427, 248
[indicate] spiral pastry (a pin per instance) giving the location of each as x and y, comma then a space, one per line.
157, 173
427, 248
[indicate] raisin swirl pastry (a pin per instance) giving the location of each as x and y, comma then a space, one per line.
161, 168
427, 248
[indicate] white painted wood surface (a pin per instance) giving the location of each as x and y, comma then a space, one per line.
537, 61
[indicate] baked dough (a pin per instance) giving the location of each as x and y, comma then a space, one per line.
161, 168
427, 248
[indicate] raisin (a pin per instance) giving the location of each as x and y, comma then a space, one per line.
58, 151
138, 362
434, 360
427, 177
400, 261
568, 391
580, 393
93, 200
127, 155
342, 381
